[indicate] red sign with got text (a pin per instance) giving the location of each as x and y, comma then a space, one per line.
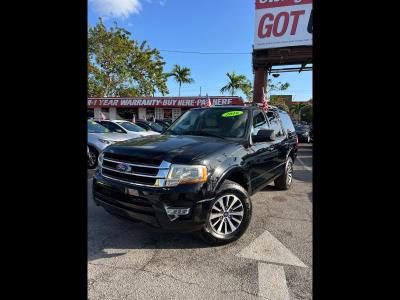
283, 23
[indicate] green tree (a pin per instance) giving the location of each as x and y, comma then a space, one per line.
279, 86
306, 113
181, 75
247, 90
237, 82
276, 101
119, 66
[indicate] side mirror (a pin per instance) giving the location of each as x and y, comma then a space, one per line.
264, 135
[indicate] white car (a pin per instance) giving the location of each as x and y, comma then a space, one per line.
99, 138
121, 126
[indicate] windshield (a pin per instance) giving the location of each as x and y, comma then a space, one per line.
219, 122
94, 127
131, 126
155, 126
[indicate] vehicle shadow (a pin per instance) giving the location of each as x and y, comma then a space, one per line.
121, 235
269, 187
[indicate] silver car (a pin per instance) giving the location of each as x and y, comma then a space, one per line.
123, 126
99, 138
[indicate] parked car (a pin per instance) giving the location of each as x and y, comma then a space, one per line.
199, 175
99, 138
126, 127
149, 125
303, 133
164, 123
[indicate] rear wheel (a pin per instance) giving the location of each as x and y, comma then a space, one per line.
284, 181
229, 215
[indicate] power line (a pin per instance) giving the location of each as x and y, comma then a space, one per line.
206, 53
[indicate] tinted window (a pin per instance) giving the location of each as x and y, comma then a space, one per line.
259, 122
94, 127
274, 123
143, 125
112, 127
258, 118
131, 126
156, 126
286, 122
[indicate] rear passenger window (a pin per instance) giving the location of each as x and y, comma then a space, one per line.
275, 124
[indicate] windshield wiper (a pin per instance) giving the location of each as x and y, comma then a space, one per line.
202, 133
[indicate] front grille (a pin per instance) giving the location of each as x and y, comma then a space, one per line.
133, 159
136, 171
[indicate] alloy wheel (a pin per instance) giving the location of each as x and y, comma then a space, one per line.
289, 173
91, 159
226, 214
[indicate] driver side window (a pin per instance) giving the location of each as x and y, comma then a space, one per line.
275, 124
259, 122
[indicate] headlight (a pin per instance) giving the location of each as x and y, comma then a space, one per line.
104, 141
186, 174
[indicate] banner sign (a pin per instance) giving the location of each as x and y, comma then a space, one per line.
283, 23
183, 102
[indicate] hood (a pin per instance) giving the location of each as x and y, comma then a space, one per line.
110, 136
147, 133
175, 149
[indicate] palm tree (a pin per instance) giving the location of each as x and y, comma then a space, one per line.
236, 82
181, 75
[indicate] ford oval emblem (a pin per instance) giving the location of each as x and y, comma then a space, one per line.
123, 167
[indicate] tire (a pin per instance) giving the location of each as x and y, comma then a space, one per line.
235, 196
92, 159
284, 181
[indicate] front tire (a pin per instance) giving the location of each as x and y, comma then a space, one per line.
229, 215
284, 181
92, 158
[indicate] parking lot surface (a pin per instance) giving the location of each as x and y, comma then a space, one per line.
272, 260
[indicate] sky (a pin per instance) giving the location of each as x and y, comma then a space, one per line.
196, 26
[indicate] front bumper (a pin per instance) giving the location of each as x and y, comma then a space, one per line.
149, 204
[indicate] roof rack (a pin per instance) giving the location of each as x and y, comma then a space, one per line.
257, 104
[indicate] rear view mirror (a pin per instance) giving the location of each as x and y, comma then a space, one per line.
264, 135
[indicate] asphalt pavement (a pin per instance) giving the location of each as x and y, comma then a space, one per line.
272, 260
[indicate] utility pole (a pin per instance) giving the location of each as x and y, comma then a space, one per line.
200, 91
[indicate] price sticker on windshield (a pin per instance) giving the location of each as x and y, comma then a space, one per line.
232, 113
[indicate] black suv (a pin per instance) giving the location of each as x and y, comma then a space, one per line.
200, 173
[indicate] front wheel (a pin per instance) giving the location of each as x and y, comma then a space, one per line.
284, 181
228, 216
92, 158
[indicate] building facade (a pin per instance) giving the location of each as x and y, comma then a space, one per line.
124, 108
